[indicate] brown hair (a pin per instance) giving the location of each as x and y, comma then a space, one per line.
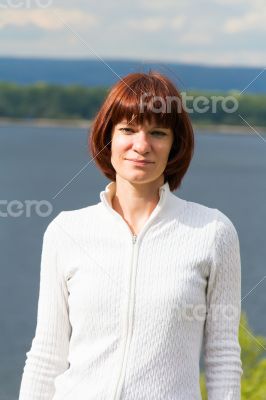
123, 101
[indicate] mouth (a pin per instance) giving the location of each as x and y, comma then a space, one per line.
140, 162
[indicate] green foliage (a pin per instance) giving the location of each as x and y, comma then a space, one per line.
250, 107
253, 357
49, 101
43, 100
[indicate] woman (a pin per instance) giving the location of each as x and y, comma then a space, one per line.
134, 286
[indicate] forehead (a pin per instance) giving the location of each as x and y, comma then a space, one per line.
145, 123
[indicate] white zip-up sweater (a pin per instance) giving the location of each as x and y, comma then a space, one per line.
124, 317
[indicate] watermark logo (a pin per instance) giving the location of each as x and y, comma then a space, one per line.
26, 208
191, 104
28, 4
198, 312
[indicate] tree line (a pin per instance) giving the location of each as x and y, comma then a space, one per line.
42, 100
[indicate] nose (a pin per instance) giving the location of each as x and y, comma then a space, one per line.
141, 143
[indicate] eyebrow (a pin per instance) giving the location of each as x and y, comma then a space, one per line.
152, 127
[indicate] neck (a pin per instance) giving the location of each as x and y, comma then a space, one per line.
135, 202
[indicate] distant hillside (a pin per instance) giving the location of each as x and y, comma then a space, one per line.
95, 73
72, 102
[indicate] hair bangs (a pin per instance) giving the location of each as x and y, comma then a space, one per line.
144, 101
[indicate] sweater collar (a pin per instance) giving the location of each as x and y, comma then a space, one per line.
107, 194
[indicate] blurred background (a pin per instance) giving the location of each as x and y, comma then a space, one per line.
57, 61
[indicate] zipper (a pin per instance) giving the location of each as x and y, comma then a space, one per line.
129, 319
130, 305
134, 238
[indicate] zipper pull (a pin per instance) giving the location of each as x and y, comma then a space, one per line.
134, 238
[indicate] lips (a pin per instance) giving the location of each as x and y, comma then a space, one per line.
140, 161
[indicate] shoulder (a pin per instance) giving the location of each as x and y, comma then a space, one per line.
223, 241
221, 230
196, 214
226, 235
71, 221
219, 226
209, 214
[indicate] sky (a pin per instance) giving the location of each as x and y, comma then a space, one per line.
207, 32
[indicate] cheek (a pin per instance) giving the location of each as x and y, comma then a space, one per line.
164, 150
119, 145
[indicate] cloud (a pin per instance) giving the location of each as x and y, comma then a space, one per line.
155, 24
146, 24
218, 32
177, 22
254, 21
241, 57
47, 19
159, 4
230, 2
251, 4
248, 15
195, 38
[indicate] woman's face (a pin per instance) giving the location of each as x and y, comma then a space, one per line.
146, 143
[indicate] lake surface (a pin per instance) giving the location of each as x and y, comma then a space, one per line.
228, 172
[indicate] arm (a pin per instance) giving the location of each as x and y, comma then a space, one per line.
222, 351
47, 357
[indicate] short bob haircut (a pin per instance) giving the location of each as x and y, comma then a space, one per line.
125, 101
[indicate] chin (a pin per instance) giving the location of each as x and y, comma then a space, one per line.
140, 179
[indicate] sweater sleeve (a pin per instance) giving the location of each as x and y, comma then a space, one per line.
47, 357
223, 366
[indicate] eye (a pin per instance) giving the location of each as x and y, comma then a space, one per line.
158, 133
154, 133
126, 129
